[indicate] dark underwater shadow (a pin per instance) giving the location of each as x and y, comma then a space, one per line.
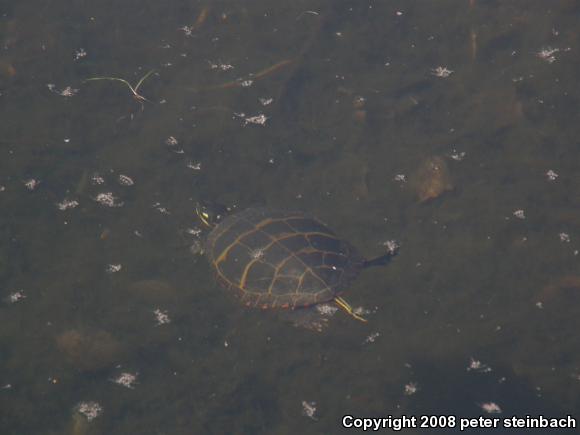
451, 388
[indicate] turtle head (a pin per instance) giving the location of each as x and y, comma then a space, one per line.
210, 214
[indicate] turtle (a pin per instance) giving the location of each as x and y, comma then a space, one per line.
275, 258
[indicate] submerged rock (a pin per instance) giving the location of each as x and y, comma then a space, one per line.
558, 288
431, 179
90, 351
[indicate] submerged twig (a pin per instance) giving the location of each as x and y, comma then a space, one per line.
188, 30
241, 82
201, 18
290, 65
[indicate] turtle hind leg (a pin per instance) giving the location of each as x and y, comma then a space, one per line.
345, 306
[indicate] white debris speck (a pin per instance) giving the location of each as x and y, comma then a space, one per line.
551, 175
31, 184
326, 309
258, 119
401, 178
458, 156
2, 188
309, 409
441, 71
90, 410
372, 337
478, 366
564, 237
161, 317
65, 204
316, 325
195, 232
96, 179
196, 166
157, 206
80, 53
108, 199
392, 246
15, 296
490, 407
226, 344
547, 54
540, 305
220, 66
187, 30
257, 254
520, 214
399, 13
126, 379
171, 141
265, 101
68, 92
410, 389
361, 311
246, 83
359, 101
113, 268
125, 180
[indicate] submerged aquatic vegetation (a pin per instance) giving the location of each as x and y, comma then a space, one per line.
134, 89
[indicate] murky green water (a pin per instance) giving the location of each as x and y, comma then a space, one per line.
472, 167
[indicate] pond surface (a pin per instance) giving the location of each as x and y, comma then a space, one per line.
451, 127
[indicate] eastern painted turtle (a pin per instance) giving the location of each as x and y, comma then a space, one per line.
283, 259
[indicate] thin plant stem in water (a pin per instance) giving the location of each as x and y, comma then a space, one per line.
134, 89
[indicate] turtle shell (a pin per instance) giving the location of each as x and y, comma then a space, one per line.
281, 259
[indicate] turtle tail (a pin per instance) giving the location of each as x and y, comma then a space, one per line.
381, 260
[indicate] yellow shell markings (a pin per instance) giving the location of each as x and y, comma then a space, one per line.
311, 249
291, 255
277, 268
257, 227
